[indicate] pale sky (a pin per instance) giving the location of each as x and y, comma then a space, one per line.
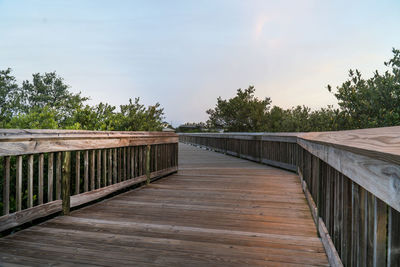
184, 54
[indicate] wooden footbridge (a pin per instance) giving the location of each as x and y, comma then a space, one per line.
120, 199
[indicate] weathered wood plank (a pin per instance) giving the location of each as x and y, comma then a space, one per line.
50, 175
58, 176
41, 178
18, 184
66, 182
6, 185
92, 168
77, 172
86, 171
30, 181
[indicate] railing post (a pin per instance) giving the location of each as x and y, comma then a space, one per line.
148, 164
66, 177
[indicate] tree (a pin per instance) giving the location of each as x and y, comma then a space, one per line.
242, 113
9, 97
50, 90
136, 117
374, 102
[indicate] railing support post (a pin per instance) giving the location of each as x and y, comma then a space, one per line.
66, 178
148, 164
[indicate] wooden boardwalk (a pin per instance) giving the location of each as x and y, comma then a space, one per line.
216, 211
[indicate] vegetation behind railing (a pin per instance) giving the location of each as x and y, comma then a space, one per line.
351, 180
42, 168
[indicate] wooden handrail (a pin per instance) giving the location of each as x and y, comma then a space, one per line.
351, 180
75, 167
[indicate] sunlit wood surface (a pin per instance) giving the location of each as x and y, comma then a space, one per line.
216, 211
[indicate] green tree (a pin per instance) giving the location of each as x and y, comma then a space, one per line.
242, 113
9, 97
374, 102
50, 90
136, 117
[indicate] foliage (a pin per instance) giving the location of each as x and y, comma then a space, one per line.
374, 102
46, 102
244, 112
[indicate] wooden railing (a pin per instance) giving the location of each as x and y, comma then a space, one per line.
351, 180
48, 171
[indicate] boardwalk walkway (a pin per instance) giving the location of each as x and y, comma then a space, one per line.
216, 211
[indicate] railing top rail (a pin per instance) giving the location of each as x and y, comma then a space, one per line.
381, 143
17, 134
20, 142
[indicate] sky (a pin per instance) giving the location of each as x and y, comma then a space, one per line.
185, 54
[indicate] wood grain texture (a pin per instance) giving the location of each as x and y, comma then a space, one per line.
21, 142
6, 185
30, 181
50, 179
380, 178
192, 218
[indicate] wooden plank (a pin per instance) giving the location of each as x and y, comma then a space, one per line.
77, 172
86, 171
18, 184
132, 161
58, 176
333, 256
66, 182
378, 177
41, 178
115, 162
50, 175
393, 258
119, 160
148, 164
34, 142
84, 198
6, 186
110, 170
18, 218
30, 181
104, 167
92, 168
380, 233
98, 177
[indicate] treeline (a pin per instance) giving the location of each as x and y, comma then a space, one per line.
46, 102
363, 103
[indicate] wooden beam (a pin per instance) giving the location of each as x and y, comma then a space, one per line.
66, 179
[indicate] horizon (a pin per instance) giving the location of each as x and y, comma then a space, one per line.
185, 55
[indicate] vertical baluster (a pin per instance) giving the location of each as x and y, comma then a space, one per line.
148, 163
155, 158
128, 163
98, 178
77, 172
132, 161
66, 182
110, 167
92, 163
30, 181
140, 160
115, 166
86, 171
18, 184
50, 173
104, 167
6, 186
41, 176
119, 166
58, 176
124, 164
